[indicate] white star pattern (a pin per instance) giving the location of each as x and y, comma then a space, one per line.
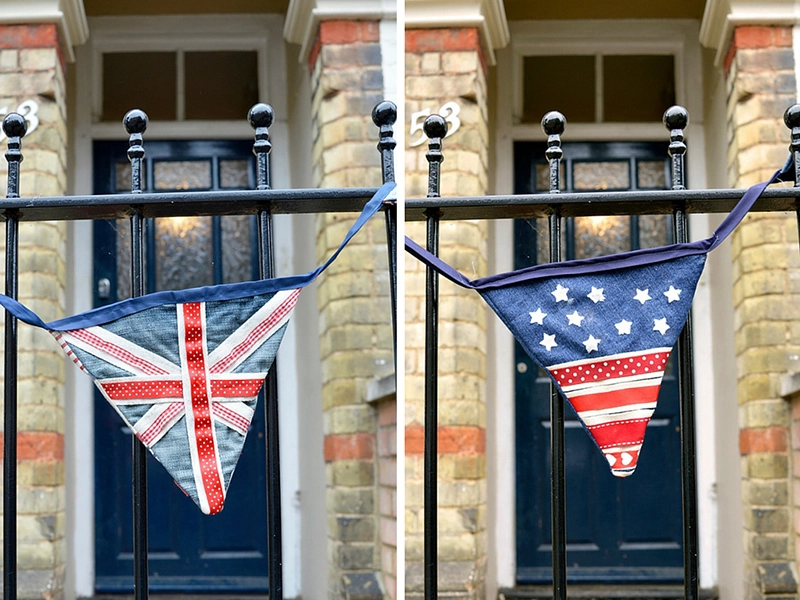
538, 317
672, 294
575, 319
623, 327
591, 344
642, 295
660, 325
560, 293
596, 295
548, 341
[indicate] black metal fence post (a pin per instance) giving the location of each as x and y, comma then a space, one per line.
15, 128
384, 116
435, 128
135, 123
261, 117
553, 124
792, 120
676, 119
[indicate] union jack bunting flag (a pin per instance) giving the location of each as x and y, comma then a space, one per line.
183, 369
603, 328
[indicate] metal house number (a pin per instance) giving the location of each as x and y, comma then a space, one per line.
28, 109
448, 111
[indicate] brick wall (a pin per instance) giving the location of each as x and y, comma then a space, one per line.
353, 299
761, 85
31, 68
447, 65
387, 493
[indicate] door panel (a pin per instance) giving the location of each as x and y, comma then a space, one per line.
617, 529
188, 551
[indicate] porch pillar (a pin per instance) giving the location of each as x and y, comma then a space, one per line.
446, 74
760, 78
353, 298
32, 83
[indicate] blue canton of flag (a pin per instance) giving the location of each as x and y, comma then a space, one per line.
605, 339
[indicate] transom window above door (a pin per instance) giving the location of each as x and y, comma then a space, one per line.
598, 88
180, 85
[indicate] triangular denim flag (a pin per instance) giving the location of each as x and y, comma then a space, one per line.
603, 328
184, 368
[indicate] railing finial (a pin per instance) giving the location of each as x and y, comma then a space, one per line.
261, 116
135, 123
384, 116
792, 120
435, 127
15, 127
676, 119
554, 124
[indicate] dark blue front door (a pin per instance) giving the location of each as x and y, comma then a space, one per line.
188, 551
618, 530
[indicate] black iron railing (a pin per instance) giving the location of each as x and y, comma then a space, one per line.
678, 202
138, 206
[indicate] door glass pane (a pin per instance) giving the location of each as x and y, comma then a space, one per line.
596, 236
601, 176
183, 247
234, 174
653, 231
123, 176
236, 249
182, 175
124, 256
651, 174
145, 80
543, 177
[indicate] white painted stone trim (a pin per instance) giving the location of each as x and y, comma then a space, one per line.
721, 17
69, 15
304, 16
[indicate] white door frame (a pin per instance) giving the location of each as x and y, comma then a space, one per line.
676, 37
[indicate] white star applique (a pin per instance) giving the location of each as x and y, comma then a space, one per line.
623, 327
596, 295
642, 295
575, 319
538, 317
660, 325
548, 341
672, 295
560, 293
591, 344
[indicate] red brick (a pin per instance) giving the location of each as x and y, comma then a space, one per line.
349, 446
314, 54
29, 36
339, 32
442, 40
451, 440
771, 439
37, 446
757, 36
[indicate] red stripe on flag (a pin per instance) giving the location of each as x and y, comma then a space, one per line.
117, 352
236, 388
234, 418
615, 399
619, 433
134, 390
609, 368
201, 407
149, 434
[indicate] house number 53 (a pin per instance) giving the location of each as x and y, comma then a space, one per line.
448, 111
26, 109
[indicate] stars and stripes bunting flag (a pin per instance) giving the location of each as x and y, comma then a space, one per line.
184, 368
603, 328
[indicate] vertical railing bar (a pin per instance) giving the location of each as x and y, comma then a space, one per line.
553, 125
15, 128
384, 116
261, 117
218, 275
135, 123
435, 128
792, 120
676, 119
